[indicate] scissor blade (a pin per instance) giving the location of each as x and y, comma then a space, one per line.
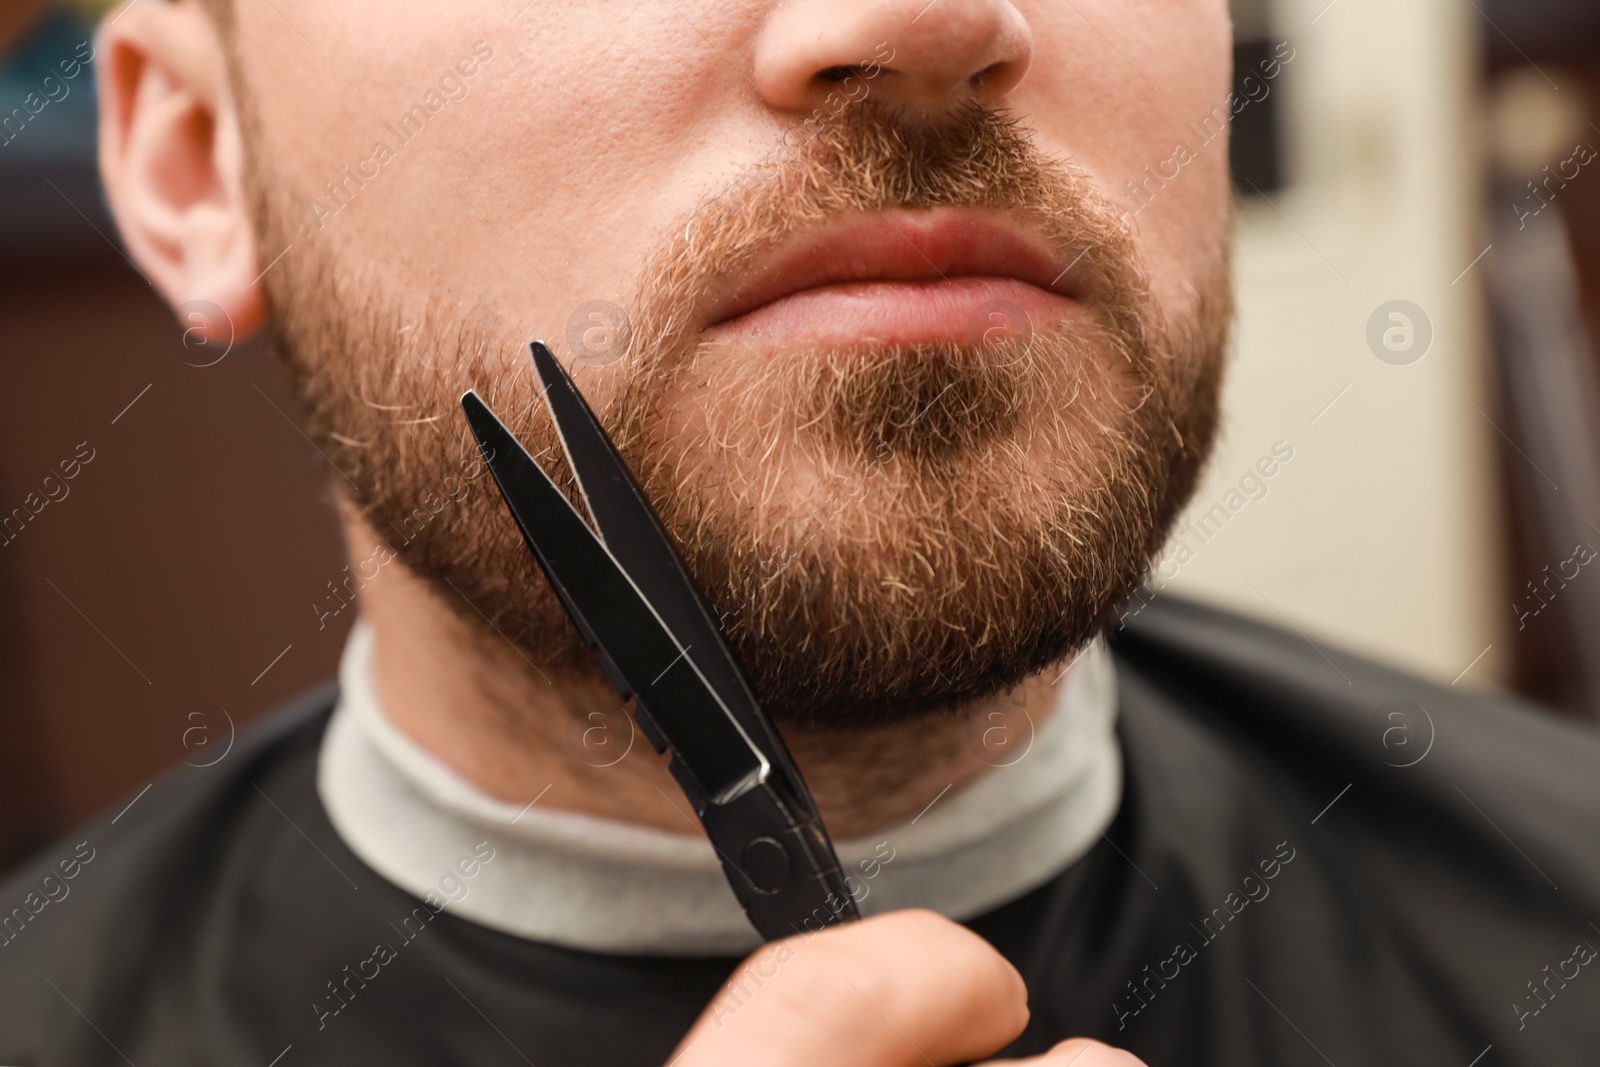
611, 611
634, 536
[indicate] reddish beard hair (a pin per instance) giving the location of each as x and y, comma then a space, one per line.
885, 531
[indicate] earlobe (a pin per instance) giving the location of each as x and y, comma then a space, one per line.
171, 162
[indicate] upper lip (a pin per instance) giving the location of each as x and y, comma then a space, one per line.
899, 245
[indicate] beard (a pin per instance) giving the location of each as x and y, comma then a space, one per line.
883, 531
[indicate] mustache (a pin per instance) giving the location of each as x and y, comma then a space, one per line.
875, 156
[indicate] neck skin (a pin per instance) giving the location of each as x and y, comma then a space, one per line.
480, 706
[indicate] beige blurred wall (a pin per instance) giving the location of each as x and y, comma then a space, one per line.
1381, 534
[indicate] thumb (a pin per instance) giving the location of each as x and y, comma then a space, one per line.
906, 989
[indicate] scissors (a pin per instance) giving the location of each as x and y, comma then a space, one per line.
629, 597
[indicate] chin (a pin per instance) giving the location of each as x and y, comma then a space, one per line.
890, 534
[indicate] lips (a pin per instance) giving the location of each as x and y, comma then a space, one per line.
899, 277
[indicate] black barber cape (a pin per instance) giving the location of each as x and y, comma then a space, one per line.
1317, 861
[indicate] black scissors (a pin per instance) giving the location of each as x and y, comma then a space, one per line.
628, 594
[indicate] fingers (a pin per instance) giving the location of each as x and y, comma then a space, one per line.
899, 990
1078, 1052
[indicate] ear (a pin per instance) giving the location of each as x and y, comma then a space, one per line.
171, 159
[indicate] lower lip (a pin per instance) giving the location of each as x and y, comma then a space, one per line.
962, 309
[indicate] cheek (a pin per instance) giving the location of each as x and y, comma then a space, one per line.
544, 186
1098, 107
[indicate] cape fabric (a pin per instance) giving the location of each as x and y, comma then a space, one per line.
1317, 861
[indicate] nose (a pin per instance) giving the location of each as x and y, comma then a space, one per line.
927, 56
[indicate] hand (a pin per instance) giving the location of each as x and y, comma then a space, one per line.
906, 989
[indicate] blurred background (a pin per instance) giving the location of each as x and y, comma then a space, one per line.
1418, 274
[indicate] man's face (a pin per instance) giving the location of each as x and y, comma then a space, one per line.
915, 397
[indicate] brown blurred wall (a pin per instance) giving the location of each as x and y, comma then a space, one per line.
176, 565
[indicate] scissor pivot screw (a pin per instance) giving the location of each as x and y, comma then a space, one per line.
766, 863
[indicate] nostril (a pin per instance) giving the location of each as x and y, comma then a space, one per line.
998, 79
942, 54
837, 74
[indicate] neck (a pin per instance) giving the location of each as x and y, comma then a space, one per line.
483, 707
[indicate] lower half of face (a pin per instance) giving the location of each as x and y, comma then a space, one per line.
885, 530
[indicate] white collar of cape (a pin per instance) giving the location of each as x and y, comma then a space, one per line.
606, 886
